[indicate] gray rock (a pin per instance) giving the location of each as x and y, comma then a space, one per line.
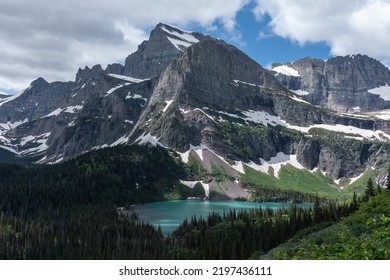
339, 83
154, 55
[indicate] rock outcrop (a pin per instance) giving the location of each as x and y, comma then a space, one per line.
340, 83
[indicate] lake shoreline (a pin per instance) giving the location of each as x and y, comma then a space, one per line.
170, 214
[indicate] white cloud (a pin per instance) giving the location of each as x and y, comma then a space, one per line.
53, 38
348, 27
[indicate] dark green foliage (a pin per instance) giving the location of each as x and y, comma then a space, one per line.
194, 170
364, 235
264, 194
317, 211
370, 190
198, 190
68, 211
236, 138
239, 235
388, 180
219, 173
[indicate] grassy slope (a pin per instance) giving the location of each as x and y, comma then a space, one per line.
304, 181
291, 178
363, 235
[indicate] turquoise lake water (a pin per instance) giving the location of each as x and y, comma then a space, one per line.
170, 214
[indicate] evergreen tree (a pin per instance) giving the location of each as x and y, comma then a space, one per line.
388, 180
354, 204
370, 190
378, 189
317, 212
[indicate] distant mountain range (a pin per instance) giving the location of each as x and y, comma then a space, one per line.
207, 100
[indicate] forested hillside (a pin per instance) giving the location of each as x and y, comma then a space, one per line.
69, 211
361, 236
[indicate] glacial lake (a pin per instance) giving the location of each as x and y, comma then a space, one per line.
170, 214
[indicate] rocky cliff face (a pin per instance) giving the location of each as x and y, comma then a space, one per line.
340, 83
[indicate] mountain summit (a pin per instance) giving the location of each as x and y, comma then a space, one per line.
153, 56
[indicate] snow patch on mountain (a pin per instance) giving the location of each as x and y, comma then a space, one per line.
147, 138
10, 149
40, 140
56, 112
197, 149
115, 88
259, 117
13, 97
4, 94
238, 165
177, 43
301, 92
128, 79
135, 96
276, 162
180, 39
191, 184
168, 103
237, 82
383, 92
120, 141
11, 125
69, 109
286, 70
73, 109
298, 99
366, 133
383, 114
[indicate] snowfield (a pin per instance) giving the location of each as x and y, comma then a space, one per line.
286, 70
184, 39
383, 92
276, 163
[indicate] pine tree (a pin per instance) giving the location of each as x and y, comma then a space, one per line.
370, 190
354, 204
317, 215
388, 180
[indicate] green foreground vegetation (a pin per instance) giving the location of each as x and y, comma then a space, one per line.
363, 235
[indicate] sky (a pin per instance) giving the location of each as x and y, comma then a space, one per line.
53, 38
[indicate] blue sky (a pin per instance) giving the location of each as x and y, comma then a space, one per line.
265, 47
75, 33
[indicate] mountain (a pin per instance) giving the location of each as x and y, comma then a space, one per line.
56, 121
350, 84
223, 114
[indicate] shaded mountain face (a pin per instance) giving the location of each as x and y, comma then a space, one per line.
208, 100
61, 120
345, 84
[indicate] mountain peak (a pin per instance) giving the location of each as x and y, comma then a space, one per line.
180, 39
165, 43
88, 73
